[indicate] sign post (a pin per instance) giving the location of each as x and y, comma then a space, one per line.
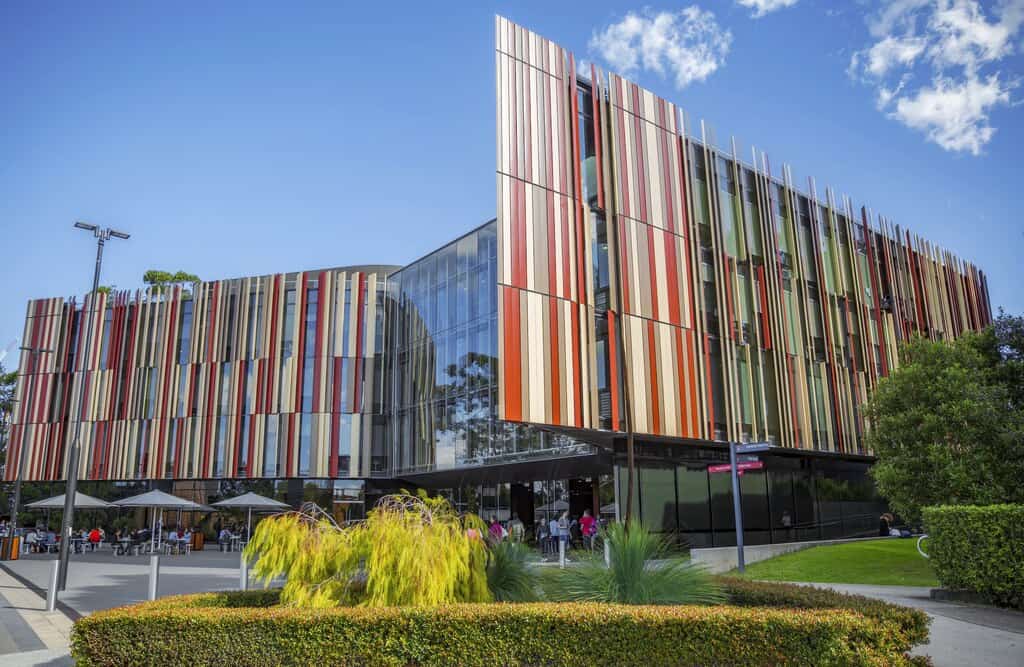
736, 469
737, 508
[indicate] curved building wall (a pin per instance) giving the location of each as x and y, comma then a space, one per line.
270, 376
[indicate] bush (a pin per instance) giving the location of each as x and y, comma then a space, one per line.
410, 550
912, 624
643, 571
510, 573
214, 629
979, 548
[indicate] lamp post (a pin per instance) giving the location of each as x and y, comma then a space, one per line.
33, 370
101, 235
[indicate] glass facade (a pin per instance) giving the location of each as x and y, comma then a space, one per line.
444, 363
791, 499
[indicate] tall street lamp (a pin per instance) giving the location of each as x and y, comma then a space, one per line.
31, 371
102, 235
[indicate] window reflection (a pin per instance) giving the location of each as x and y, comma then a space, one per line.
444, 375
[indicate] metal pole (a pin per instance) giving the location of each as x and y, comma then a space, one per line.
243, 572
154, 575
67, 523
737, 508
33, 359
51, 592
561, 552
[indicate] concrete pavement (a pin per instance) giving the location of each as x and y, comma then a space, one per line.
961, 634
28, 634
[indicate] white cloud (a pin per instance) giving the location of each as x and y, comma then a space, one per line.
763, 7
956, 50
954, 114
688, 45
892, 52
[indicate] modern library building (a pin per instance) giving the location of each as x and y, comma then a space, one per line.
635, 279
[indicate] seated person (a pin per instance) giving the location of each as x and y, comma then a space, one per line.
32, 541
224, 539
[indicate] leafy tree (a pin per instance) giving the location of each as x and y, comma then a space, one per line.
7, 386
947, 426
161, 279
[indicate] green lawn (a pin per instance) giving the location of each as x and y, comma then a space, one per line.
885, 562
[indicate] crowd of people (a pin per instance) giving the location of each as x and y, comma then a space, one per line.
41, 539
574, 532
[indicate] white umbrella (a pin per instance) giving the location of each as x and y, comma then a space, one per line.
158, 500
82, 501
252, 501
556, 506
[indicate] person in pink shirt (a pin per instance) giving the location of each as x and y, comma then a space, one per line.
496, 530
588, 526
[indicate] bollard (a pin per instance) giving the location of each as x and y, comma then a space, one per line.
243, 573
607, 554
154, 575
51, 592
561, 553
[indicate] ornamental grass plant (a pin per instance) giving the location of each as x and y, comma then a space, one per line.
642, 570
411, 550
511, 573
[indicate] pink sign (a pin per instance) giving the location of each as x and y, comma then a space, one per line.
740, 467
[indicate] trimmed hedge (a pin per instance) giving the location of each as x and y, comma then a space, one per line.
912, 624
242, 629
979, 548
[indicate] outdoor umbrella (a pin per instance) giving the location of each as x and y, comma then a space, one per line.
556, 506
158, 500
82, 501
252, 501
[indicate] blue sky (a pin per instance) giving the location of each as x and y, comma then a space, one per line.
234, 139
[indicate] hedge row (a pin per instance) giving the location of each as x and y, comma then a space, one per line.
979, 548
911, 623
222, 629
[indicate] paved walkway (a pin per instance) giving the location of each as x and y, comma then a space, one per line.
28, 634
961, 634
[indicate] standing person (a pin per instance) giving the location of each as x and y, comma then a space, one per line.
588, 526
95, 537
495, 529
516, 529
563, 528
553, 534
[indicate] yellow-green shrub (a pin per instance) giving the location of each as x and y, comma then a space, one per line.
212, 629
410, 550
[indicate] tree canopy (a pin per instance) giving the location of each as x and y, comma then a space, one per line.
158, 278
947, 426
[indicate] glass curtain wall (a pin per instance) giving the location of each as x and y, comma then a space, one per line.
791, 500
444, 362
